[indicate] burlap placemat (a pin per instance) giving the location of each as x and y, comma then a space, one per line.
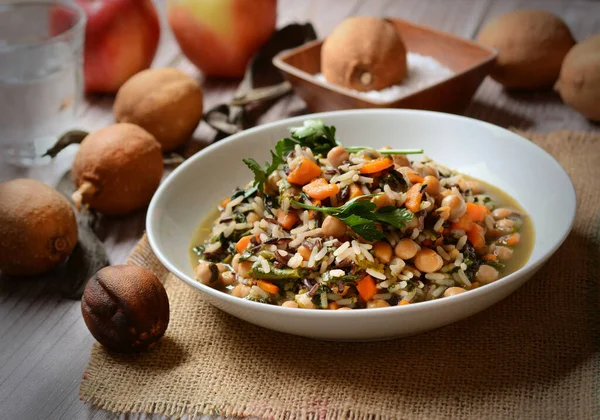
534, 355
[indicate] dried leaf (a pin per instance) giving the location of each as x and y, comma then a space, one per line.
67, 139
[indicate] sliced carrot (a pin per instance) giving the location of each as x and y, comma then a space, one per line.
474, 285
512, 239
465, 222
225, 202
305, 252
476, 236
490, 257
312, 214
366, 288
413, 198
376, 165
287, 220
404, 302
305, 172
333, 306
267, 287
320, 189
414, 177
355, 191
477, 212
242, 244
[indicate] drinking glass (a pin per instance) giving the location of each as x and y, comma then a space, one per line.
41, 76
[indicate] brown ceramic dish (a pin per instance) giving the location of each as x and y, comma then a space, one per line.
469, 61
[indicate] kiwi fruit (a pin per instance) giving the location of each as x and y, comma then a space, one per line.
38, 229
126, 308
531, 45
364, 53
117, 169
579, 80
165, 102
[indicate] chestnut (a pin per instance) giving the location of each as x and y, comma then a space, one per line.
126, 308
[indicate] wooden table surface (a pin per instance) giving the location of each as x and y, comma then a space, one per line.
44, 344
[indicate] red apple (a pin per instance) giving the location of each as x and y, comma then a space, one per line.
220, 36
121, 38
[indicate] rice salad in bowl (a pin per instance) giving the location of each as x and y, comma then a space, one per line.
323, 226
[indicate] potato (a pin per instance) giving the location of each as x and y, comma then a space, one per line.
531, 45
165, 102
364, 53
38, 229
579, 80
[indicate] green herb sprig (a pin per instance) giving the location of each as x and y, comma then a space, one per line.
361, 215
356, 149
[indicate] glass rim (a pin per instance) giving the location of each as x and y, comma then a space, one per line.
79, 25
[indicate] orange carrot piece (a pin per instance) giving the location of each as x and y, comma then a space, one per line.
465, 222
413, 177
366, 288
511, 240
333, 306
490, 257
355, 191
242, 244
476, 236
320, 189
225, 202
376, 165
403, 302
305, 172
413, 198
312, 214
477, 212
267, 286
287, 220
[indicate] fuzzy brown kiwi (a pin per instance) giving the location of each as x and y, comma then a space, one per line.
579, 80
364, 53
126, 308
531, 45
117, 169
38, 229
165, 102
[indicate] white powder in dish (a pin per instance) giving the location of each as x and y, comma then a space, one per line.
423, 71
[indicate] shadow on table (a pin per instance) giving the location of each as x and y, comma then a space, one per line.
498, 116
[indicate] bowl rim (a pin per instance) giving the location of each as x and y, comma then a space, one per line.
527, 270
278, 61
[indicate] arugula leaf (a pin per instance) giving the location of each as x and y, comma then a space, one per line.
260, 173
360, 215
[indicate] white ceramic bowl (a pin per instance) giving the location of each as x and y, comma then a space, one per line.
485, 151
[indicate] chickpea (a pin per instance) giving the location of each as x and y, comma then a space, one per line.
209, 273
401, 160
451, 291
382, 251
429, 170
252, 217
344, 308
501, 213
271, 184
413, 223
475, 187
305, 252
503, 253
505, 225
382, 200
333, 227
227, 278
241, 291
377, 303
235, 262
289, 304
406, 248
486, 274
433, 185
456, 204
244, 268
428, 261
337, 156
